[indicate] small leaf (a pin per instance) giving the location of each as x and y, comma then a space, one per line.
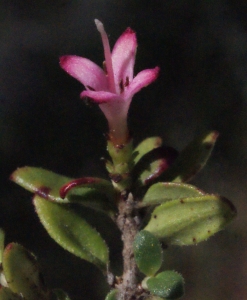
146, 146
7, 294
2, 236
192, 159
72, 232
165, 191
190, 220
79, 185
153, 164
112, 295
95, 193
22, 274
147, 252
167, 284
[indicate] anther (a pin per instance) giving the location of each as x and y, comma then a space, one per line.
121, 86
127, 81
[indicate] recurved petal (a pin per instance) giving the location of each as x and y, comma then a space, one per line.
101, 96
123, 56
142, 79
85, 71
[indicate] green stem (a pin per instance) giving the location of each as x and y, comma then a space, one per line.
121, 166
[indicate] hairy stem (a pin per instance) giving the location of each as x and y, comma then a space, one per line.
127, 222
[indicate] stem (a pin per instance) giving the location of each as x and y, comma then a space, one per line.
127, 222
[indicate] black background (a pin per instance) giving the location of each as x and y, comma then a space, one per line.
201, 48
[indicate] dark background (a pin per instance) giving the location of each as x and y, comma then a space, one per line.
201, 48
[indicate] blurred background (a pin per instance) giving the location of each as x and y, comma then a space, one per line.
201, 48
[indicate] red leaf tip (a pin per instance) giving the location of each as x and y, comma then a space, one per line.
74, 183
9, 247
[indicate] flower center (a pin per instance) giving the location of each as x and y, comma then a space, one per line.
107, 52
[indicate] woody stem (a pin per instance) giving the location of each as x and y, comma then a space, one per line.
127, 222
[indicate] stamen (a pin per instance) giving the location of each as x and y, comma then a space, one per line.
107, 52
121, 86
127, 81
104, 67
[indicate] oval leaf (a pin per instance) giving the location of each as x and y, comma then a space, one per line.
22, 274
192, 159
112, 295
167, 284
146, 146
7, 294
72, 232
191, 220
147, 246
153, 164
95, 193
165, 191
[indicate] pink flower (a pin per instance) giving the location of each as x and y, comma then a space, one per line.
113, 90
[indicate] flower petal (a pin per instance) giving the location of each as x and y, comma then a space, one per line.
101, 96
84, 70
115, 109
123, 57
142, 79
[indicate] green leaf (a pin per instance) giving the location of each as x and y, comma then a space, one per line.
167, 284
22, 274
153, 297
97, 194
192, 159
112, 295
190, 220
60, 294
165, 191
72, 232
153, 164
92, 192
7, 294
2, 236
146, 146
148, 253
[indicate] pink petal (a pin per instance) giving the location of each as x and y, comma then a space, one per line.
141, 80
123, 57
101, 96
84, 70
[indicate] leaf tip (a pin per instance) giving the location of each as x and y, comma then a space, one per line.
230, 205
9, 247
74, 183
215, 135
